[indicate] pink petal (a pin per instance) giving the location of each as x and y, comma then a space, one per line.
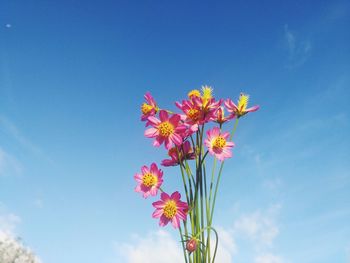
138, 189
153, 120
158, 204
177, 139
163, 115
163, 220
158, 141
157, 213
168, 143
175, 222
153, 191
144, 169
174, 120
175, 196
151, 132
181, 214
252, 109
154, 168
164, 196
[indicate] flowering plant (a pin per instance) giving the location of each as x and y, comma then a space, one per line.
189, 137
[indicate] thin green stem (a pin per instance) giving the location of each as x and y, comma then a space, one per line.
220, 172
183, 245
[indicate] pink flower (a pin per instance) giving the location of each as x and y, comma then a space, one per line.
220, 116
170, 208
193, 114
148, 108
167, 130
149, 181
241, 108
185, 151
218, 145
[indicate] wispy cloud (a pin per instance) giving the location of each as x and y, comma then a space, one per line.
8, 223
9, 165
156, 247
13, 131
298, 49
259, 228
268, 258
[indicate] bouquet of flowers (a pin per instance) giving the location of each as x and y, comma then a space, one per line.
191, 137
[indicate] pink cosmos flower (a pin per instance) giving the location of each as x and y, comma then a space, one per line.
241, 108
167, 130
193, 114
218, 145
148, 108
220, 116
149, 181
170, 208
185, 151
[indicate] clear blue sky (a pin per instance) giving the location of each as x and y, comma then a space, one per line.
72, 78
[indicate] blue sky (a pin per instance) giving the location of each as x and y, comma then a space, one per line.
72, 78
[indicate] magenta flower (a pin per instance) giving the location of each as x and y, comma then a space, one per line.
149, 181
185, 151
148, 108
220, 116
170, 208
193, 114
167, 130
218, 145
241, 108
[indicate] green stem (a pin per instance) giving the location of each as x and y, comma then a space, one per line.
183, 244
219, 176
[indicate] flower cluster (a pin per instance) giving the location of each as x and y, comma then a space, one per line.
188, 137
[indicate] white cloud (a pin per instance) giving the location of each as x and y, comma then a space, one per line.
268, 258
258, 227
155, 248
11, 249
161, 247
9, 165
8, 224
298, 49
227, 247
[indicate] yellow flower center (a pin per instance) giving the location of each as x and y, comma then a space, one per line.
149, 180
219, 142
170, 209
193, 114
146, 108
243, 102
194, 93
165, 129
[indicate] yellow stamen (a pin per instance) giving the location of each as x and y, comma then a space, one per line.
243, 102
165, 129
149, 180
193, 114
146, 108
170, 209
219, 142
207, 92
194, 93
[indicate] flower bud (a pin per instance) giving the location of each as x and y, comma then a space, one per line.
191, 245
